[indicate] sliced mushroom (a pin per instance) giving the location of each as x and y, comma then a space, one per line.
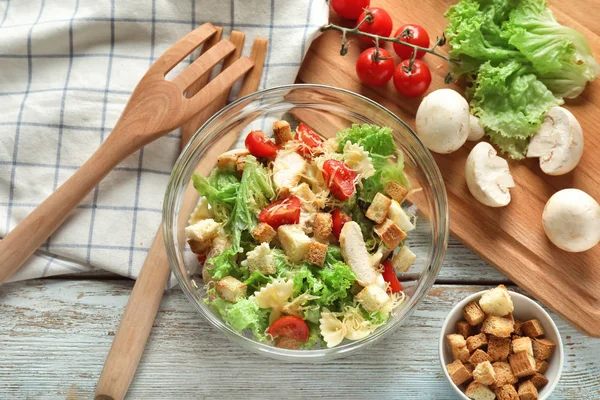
443, 121
571, 220
559, 142
488, 176
476, 131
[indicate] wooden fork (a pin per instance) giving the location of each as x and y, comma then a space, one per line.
157, 106
134, 329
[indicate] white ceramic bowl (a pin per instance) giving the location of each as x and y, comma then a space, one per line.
525, 309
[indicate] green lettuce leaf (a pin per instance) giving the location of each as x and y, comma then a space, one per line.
366, 226
242, 315
385, 171
256, 281
337, 278
511, 104
315, 336
374, 139
333, 255
220, 190
224, 265
255, 192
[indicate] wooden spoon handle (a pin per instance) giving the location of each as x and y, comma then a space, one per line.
20, 243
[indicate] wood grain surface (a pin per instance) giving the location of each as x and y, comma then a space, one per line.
55, 334
510, 238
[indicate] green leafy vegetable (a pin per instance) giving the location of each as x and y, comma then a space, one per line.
315, 336
254, 193
256, 280
244, 314
372, 138
338, 278
333, 255
520, 62
377, 317
224, 265
220, 190
366, 227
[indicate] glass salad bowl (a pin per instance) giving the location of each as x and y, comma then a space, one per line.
327, 110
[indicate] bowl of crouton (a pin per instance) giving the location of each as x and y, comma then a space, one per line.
499, 344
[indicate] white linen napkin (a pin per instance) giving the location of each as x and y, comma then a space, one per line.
67, 69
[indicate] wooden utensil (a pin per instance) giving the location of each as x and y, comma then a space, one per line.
510, 238
133, 332
157, 106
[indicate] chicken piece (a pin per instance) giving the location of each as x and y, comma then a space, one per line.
356, 255
288, 168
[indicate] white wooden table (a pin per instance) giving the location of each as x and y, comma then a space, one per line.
55, 334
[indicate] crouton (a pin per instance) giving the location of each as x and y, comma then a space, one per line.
527, 391
518, 331
539, 380
476, 342
473, 313
541, 366
396, 191
522, 364
507, 392
522, 344
403, 260
470, 367
458, 372
293, 241
504, 374
498, 326
282, 132
230, 289
378, 209
479, 356
201, 234
497, 301
542, 348
498, 348
477, 391
260, 259
389, 233
263, 233
458, 347
484, 373
372, 298
464, 328
532, 328
322, 226
228, 160
287, 343
316, 253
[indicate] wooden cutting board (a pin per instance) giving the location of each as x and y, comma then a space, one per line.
510, 238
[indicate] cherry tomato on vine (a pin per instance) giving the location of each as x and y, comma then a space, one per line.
339, 178
413, 34
259, 145
412, 81
380, 25
338, 219
372, 70
349, 9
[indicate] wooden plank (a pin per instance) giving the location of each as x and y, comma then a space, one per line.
55, 335
510, 238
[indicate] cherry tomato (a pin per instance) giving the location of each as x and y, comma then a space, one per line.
309, 138
281, 212
380, 25
412, 82
349, 9
339, 218
339, 178
291, 327
390, 277
413, 34
375, 72
201, 258
259, 145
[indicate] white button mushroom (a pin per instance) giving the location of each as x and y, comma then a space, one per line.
571, 220
443, 121
476, 131
488, 177
559, 142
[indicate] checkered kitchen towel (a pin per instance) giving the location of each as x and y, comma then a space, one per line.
67, 68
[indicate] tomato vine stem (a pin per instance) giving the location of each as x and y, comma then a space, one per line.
440, 41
